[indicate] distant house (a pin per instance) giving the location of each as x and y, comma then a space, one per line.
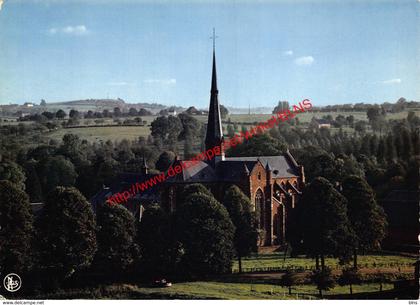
320, 123
28, 105
23, 114
172, 111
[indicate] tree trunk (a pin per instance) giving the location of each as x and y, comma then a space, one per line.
240, 263
317, 262
380, 286
355, 258
290, 290
322, 262
351, 289
320, 293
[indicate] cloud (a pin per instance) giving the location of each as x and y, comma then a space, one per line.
304, 61
77, 30
288, 53
1, 3
170, 81
120, 84
392, 81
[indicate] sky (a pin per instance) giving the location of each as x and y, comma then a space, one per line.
332, 52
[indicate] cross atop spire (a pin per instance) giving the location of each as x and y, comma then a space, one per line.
214, 39
214, 134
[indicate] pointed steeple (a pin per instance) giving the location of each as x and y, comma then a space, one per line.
214, 134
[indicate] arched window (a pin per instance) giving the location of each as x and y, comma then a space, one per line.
259, 205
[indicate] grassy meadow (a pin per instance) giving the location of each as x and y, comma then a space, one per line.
276, 259
99, 131
251, 286
98, 134
210, 290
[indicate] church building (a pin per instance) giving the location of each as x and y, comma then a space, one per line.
273, 183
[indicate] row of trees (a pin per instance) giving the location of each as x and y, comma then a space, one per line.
338, 224
75, 114
390, 161
168, 131
67, 240
400, 105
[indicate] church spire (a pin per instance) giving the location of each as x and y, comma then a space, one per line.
214, 135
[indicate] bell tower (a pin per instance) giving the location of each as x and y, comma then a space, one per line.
214, 134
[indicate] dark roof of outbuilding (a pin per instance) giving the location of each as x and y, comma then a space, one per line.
123, 183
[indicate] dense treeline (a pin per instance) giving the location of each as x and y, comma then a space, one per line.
69, 243
387, 160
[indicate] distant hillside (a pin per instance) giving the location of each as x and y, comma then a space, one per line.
91, 102
256, 110
101, 104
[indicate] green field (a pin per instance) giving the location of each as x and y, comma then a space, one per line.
276, 259
245, 286
210, 290
97, 134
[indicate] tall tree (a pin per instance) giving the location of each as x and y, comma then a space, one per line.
72, 148
206, 232
65, 236
382, 152
258, 145
116, 235
165, 160
367, 218
230, 130
155, 240
289, 279
322, 165
12, 172
190, 127
15, 229
175, 128
117, 112
60, 114
189, 189
376, 117
188, 147
33, 183
349, 276
224, 112
323, 218
74, 114
323, 280
391, 151
132, 111
239, 208
281, 106
166, 129
56, 171
407, 147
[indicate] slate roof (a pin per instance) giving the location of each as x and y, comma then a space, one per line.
233, 169
122, 183
280, 166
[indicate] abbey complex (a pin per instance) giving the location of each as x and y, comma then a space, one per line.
273, 183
